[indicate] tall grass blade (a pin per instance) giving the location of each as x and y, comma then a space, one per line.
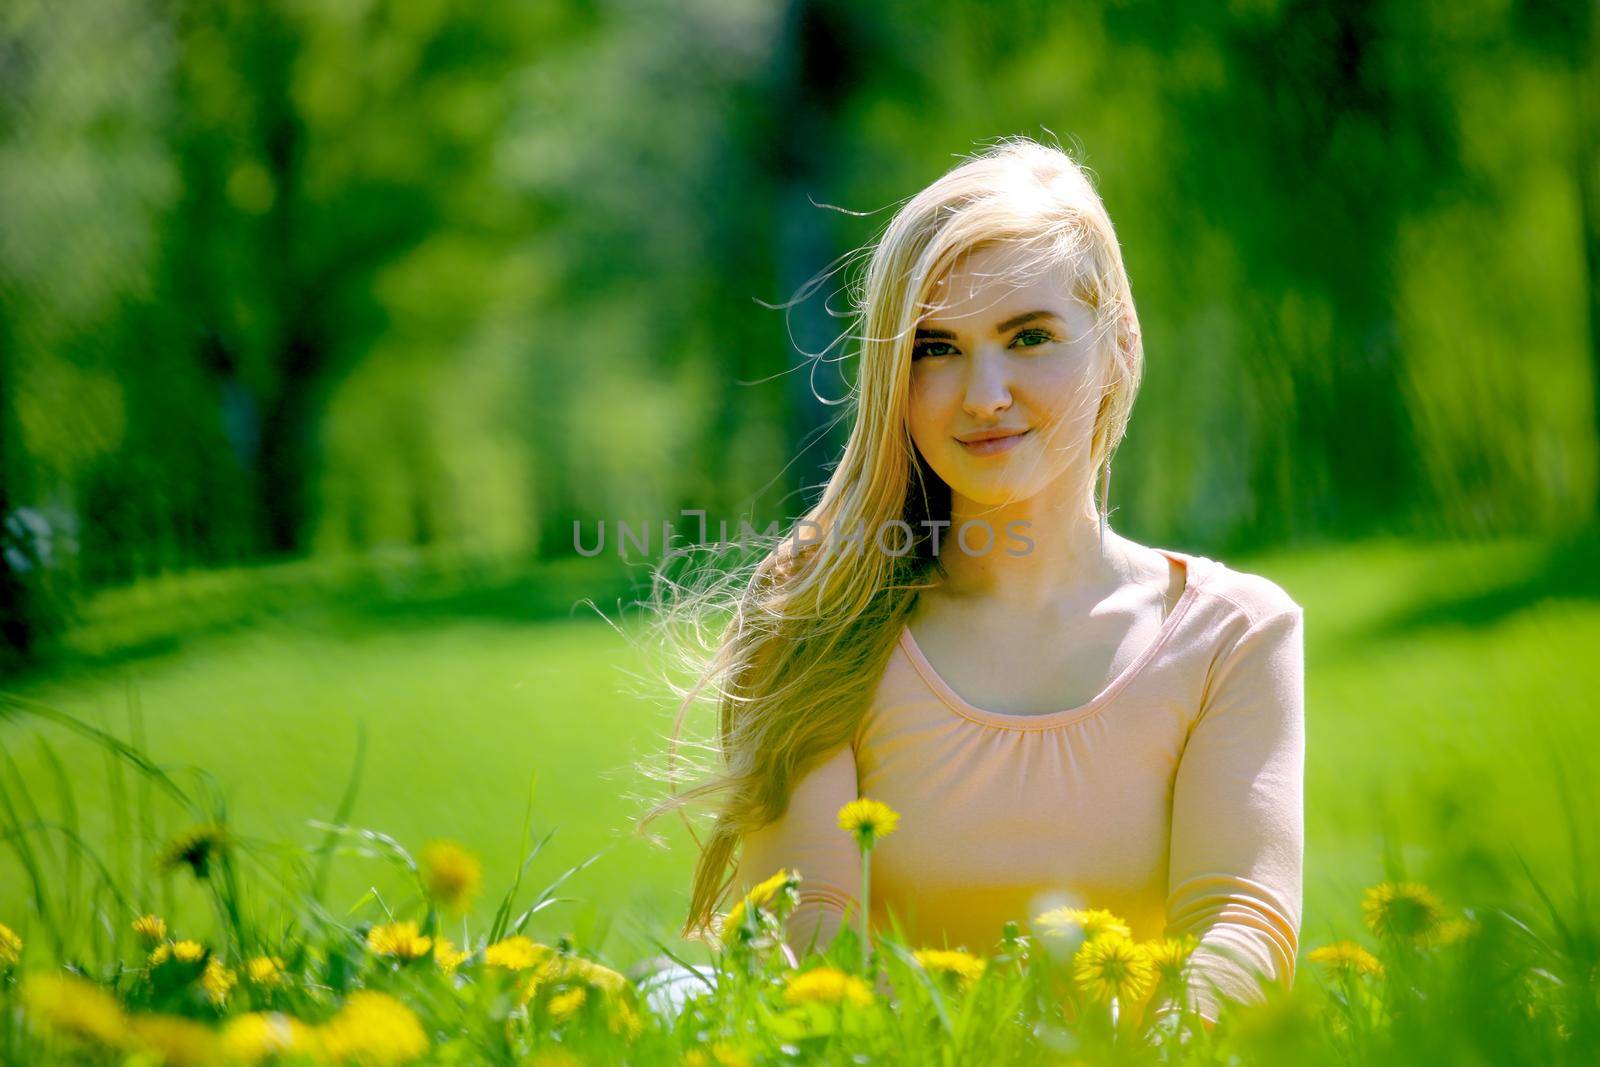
341, 815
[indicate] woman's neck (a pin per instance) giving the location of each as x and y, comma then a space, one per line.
1066, 557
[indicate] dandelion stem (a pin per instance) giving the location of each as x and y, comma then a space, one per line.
866, 898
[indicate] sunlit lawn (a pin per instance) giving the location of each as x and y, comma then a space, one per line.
1441, 678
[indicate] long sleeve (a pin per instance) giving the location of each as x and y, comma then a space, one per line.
1238, 819
807, 838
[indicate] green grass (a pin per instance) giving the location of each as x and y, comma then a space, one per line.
1450, 690
461, 716
1441, 681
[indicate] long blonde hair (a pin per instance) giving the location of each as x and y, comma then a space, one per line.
791, 642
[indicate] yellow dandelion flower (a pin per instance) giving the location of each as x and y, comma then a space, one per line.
185, 951
75, 1007
564, 1005
720, 1053
598, 975
1346, 957
1091, 922
401, 940
373, 1029
1403, 911
175, 1041
265, 971
868, 820
258, 1035
217, 980
194, 848
624, 1020
1111, 965
826, 985
964, 965
151, 929
1170, 956
10, 946
447, 956
760, 897
450, 874
517, 953
528, 985
572, 969
1452, 931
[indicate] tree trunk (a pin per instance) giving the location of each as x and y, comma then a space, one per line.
17, 628
1587, 162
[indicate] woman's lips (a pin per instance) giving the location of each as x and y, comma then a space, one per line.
995, 445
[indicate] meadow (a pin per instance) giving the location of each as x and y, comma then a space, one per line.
1451, 689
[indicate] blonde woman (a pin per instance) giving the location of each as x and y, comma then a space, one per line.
1065, 718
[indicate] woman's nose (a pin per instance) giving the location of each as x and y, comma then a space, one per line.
987, 390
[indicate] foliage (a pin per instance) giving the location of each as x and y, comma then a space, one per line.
287, 279
281, 978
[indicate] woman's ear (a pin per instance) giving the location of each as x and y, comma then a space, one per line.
1128, 334
1110, 372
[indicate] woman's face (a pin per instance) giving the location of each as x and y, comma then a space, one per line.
997, 357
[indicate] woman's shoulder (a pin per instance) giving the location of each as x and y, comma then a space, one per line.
1246, 593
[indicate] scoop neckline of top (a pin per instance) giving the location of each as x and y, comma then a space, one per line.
1195, 571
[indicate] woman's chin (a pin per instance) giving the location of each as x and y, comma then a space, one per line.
994, 492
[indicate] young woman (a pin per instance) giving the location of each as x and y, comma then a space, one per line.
1067, 717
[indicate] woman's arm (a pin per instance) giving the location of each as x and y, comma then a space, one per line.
807, 838
1238, 819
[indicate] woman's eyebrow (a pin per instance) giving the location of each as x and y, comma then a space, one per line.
1010, 324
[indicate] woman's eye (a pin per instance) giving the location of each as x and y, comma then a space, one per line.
923, 349
1039, 337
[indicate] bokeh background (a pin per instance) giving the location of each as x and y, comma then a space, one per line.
322, 323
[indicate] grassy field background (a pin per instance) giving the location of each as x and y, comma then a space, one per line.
1450, 686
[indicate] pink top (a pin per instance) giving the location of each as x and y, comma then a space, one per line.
1173, 798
